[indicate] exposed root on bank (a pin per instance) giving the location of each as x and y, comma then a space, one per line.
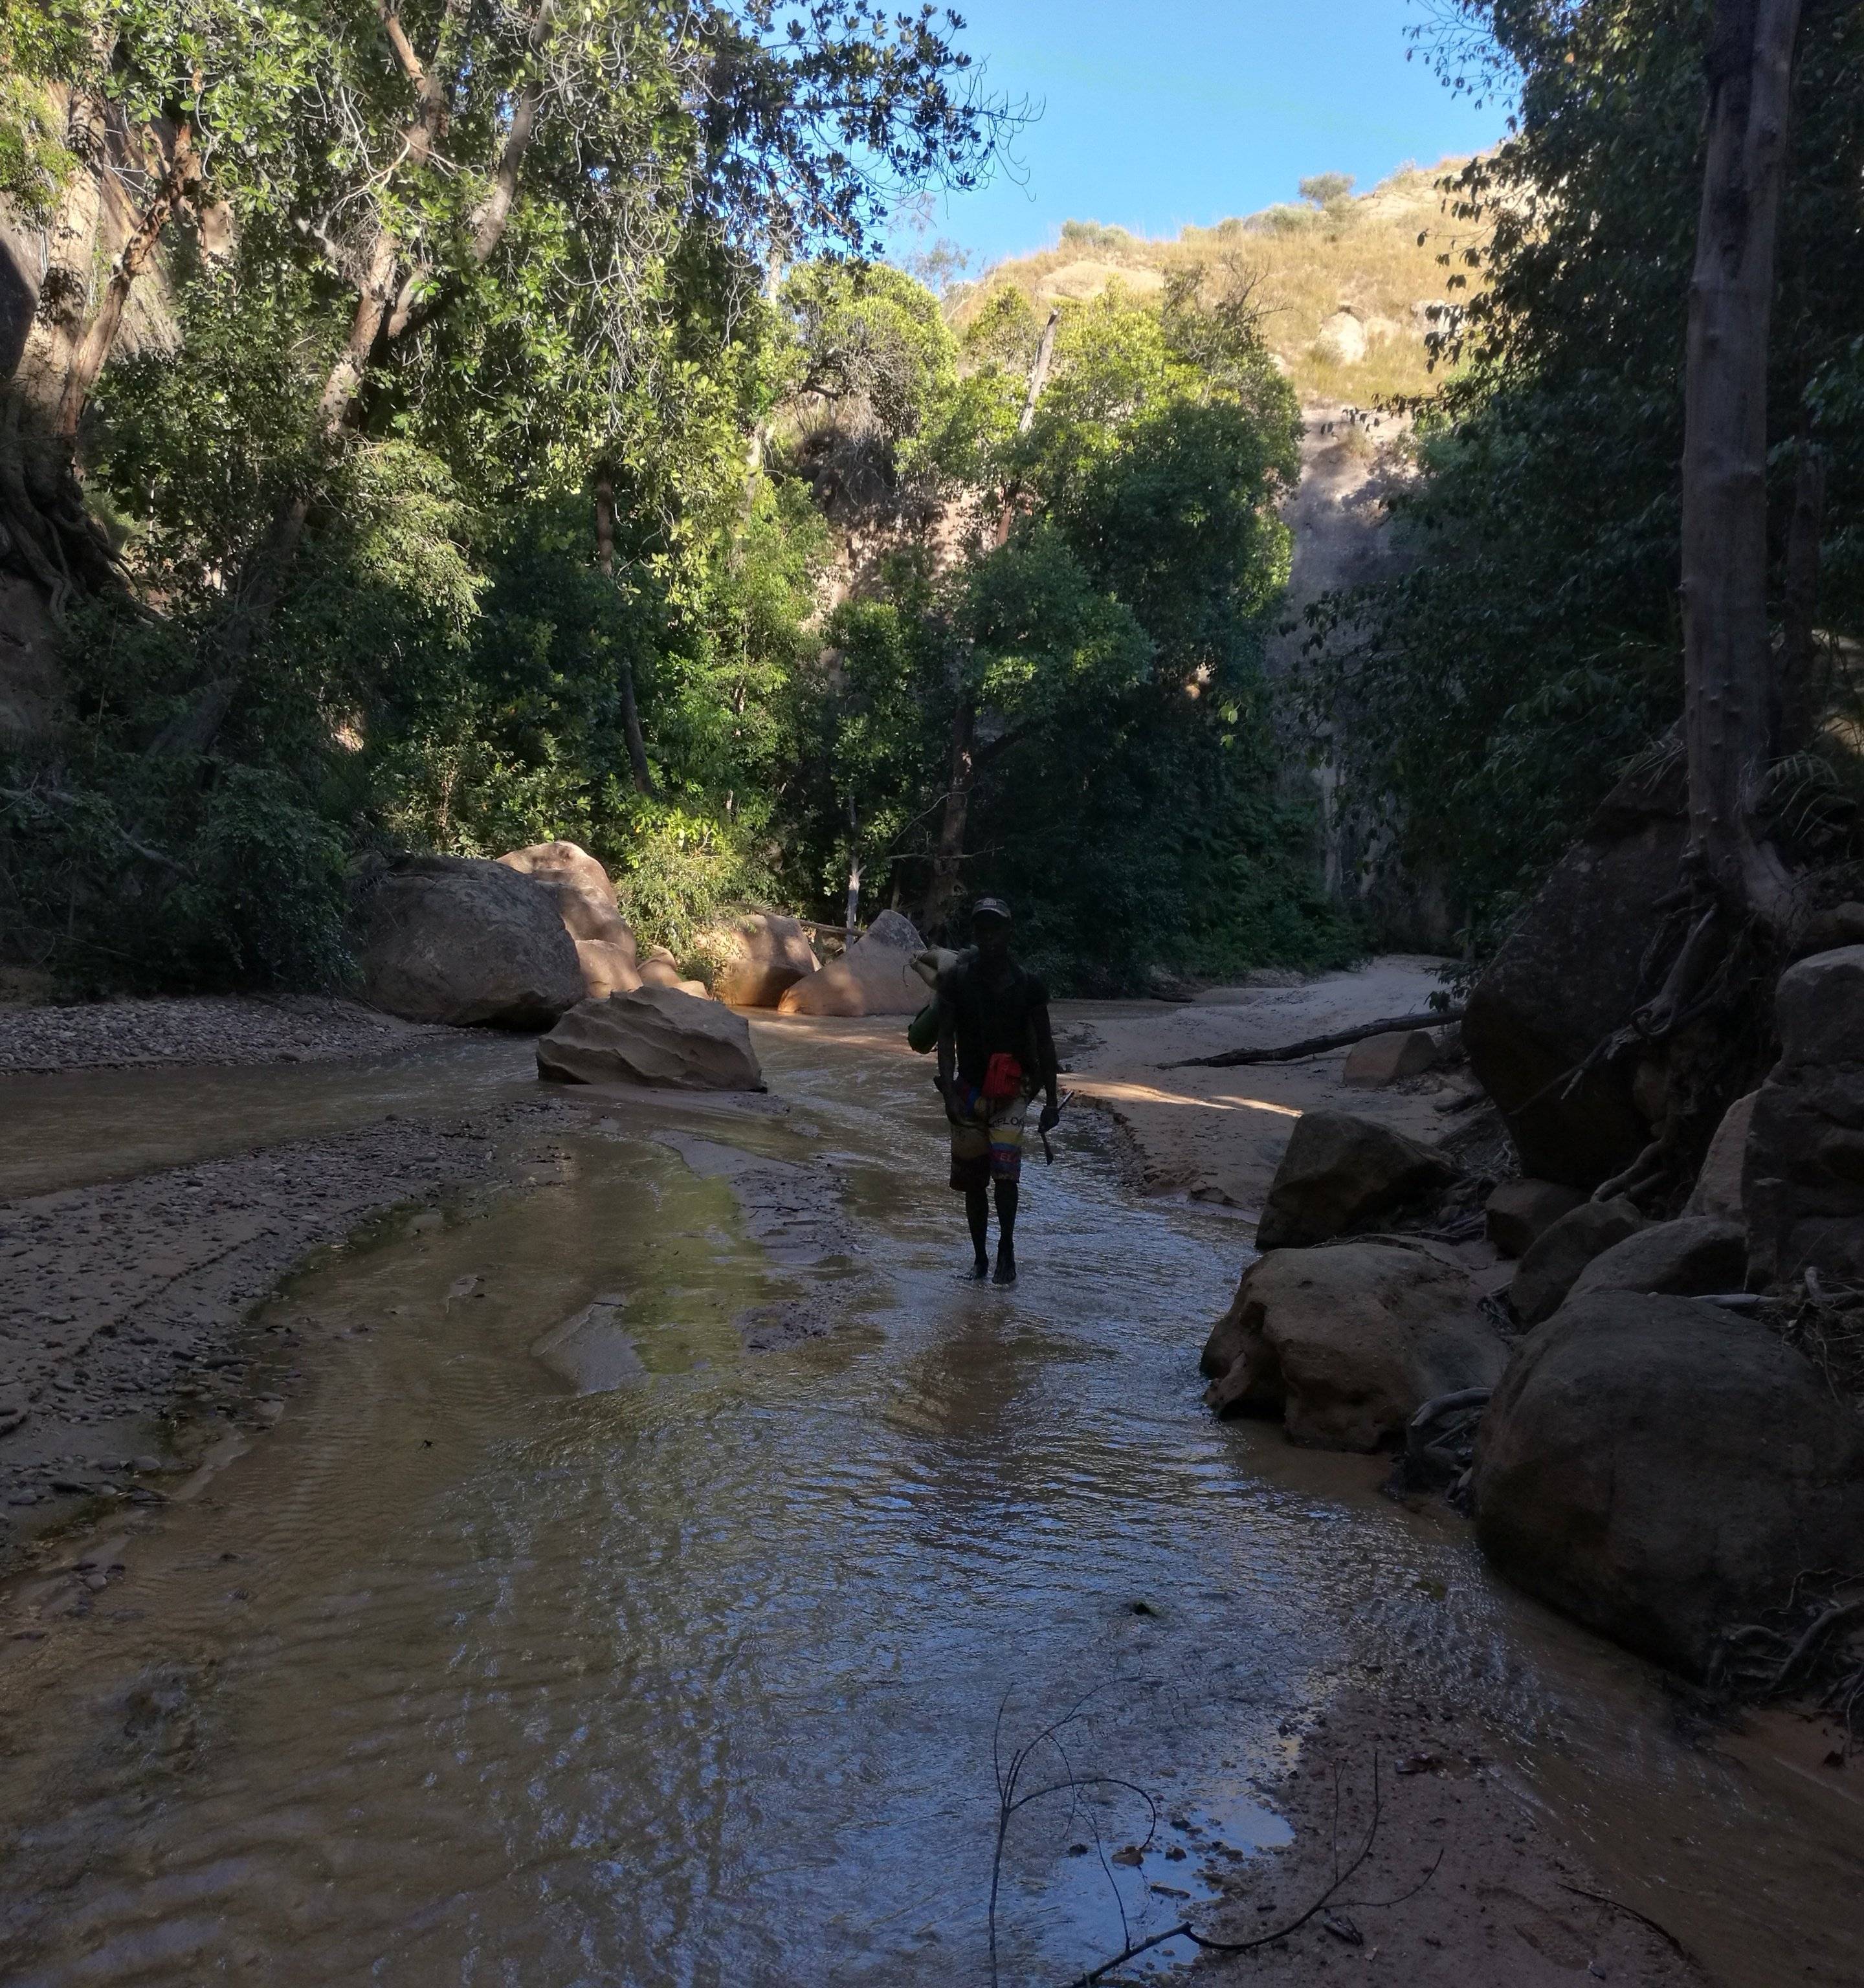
1014, 1795
1328, 1905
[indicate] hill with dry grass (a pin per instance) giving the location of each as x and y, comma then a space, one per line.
1347, 288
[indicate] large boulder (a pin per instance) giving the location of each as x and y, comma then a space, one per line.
562, 862
448, 938
1380, 1061
1718, 1186
1340, 1175
608, 969
655, 1035
1571, 972
1660, 1469
1520, 1212
1802, 1180
875, 976
1690, 1258
1346, 1344
585, 900
1551, 1265
757, 959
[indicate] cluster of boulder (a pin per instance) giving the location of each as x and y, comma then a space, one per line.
536, 941
1653, 1458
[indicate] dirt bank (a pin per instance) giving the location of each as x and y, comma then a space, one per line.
122, 1346
1218, 1134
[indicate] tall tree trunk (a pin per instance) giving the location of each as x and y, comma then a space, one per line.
948, 862
605, 565
1728, 709
388, 310
46, 533
1801, 690
178, 183
853, 918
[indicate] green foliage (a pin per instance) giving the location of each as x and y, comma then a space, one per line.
1487, 697
446, 659
1330, 192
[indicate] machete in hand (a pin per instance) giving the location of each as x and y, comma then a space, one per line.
1062, 1105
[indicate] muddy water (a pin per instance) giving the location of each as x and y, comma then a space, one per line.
558, 1636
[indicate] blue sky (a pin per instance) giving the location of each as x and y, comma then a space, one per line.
1156, 112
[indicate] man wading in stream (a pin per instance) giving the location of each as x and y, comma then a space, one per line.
996, 1050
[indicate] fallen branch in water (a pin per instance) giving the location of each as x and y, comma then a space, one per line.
1319, 1044
1329, 1897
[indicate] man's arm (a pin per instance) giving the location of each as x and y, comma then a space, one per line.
947, 1056
1047, 1068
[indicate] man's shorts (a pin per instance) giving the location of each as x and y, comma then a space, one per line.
988, 1145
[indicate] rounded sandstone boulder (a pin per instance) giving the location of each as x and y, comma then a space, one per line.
1662, 1469
757, 959
875, 976
655, 1035
585, 900
1339, 1174
448, 938
1345, 1344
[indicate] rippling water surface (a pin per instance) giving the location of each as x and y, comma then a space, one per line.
460, 1676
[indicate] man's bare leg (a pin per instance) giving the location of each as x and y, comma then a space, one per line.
1007, 1195
977, 1212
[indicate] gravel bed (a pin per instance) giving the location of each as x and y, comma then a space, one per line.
206, 1029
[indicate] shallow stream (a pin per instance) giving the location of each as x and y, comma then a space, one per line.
635, 1588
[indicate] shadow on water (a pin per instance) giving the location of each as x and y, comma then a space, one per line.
463, 1676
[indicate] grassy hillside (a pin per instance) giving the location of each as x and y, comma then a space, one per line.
1361, 256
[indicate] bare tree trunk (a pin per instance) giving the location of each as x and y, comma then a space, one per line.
1802, 697
1038, 380
386, 310
46, 533
94, 348
853, 918
605, 565
948, 862
1727, 709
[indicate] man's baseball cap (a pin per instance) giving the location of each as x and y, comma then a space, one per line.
990, 907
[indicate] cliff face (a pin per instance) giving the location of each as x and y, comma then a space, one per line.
1352, 460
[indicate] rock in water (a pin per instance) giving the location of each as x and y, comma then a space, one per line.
875, 976
655, 1035
1687, 1259
1347, 1344
1520, 1212
1380, 1061
448, 938
1571, 972
1718, 1187
1340, 1173
1802, 1182
1661, 1469
1552, 1265
759, 958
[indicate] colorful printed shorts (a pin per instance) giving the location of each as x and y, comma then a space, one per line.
988, 1145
